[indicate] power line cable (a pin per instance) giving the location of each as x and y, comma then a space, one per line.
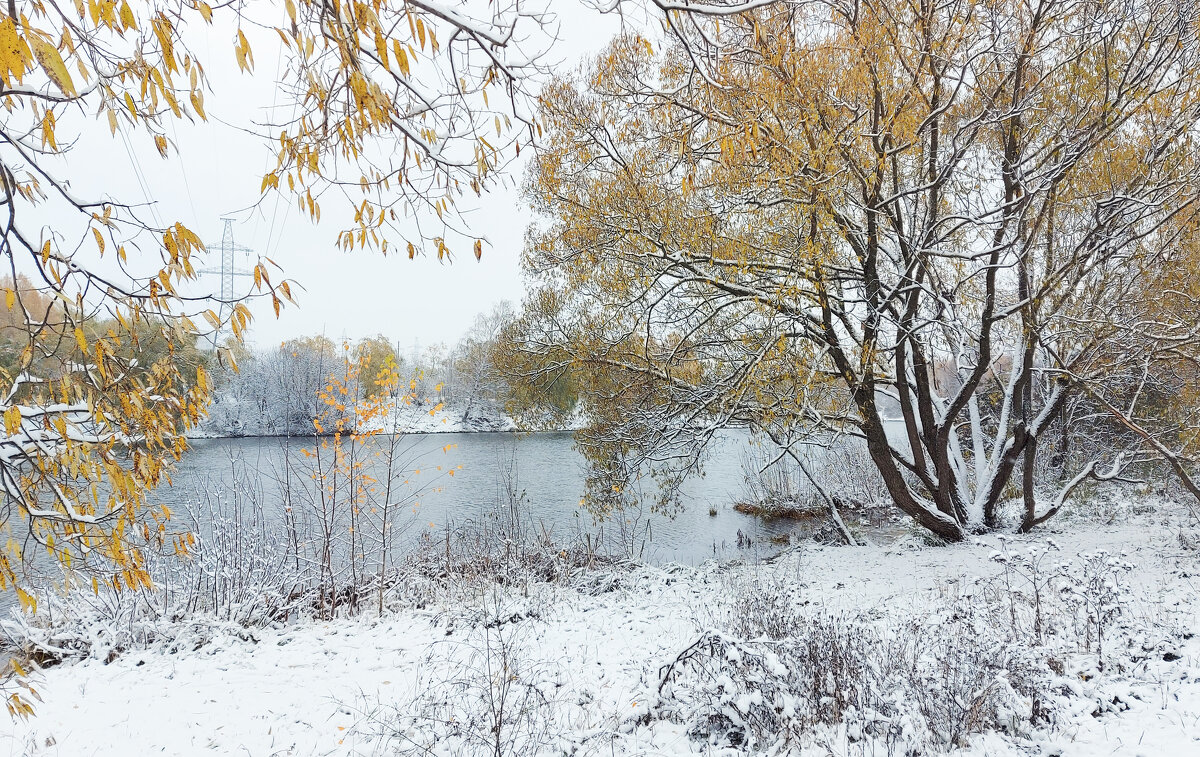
183, 174
274, 105
141, 177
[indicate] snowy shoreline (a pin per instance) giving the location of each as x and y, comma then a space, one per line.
409, 420
595, 647
421, 432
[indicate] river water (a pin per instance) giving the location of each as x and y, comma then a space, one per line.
545, 467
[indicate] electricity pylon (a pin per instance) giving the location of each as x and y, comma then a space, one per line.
227, 272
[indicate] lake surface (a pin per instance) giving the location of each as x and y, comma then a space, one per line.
544, 466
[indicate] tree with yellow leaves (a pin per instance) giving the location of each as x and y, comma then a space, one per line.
927, 226
360, 471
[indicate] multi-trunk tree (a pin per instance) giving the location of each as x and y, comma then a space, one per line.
925, 225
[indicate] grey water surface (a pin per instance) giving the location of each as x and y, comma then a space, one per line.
544, 467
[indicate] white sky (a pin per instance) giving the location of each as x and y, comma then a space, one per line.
218, 171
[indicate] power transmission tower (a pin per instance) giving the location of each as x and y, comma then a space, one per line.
228, 270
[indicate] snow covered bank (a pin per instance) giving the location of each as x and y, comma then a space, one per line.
229, 419
595, 665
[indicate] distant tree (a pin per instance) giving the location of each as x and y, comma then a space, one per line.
380, 363
478, 381
15, 336
434, 373
276, 392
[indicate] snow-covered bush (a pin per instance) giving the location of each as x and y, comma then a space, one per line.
244, 561
1094, 591
482, 696
762, 607
253, 561
839, 468
241, 571
1002, 654
930, 682
1070, 605
106, 625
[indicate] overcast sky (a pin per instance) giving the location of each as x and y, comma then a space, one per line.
217, 173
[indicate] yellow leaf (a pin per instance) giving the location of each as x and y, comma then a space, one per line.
401, 56
99, 240
48, 130
28, 601
12, 420
52, 63
381, 49
205, 11
245, 58
80, 339
198, 104
14, 53
127, 16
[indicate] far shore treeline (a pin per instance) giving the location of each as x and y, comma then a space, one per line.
476, 383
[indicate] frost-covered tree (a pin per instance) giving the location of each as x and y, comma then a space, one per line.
479, 383
805, 216
275, 392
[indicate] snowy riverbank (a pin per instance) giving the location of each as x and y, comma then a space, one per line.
584, 666
226, 420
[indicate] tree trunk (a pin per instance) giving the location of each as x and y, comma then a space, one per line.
940, 524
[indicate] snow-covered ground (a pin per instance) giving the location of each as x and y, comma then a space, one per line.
450, 419
577, 667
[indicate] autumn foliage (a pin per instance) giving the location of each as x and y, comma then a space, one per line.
927, 226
